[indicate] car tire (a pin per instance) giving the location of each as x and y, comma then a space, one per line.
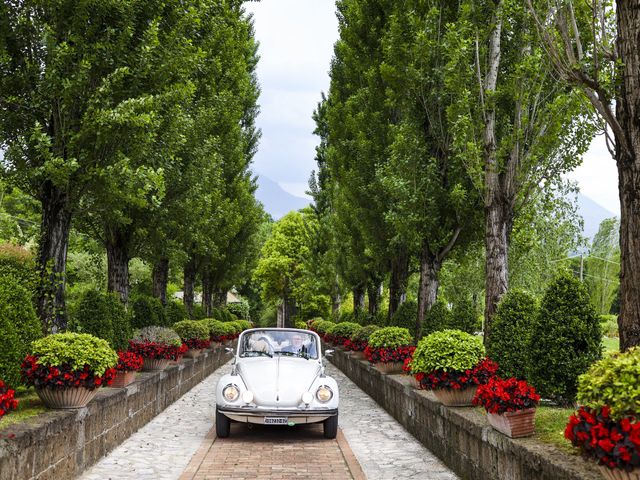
223, 425
331, 427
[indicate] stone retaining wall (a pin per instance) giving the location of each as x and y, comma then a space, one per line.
59, 445
461, 437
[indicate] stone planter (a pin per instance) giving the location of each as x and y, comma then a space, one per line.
66, 398
514, 424
123, 379
617, 474
357, 355
193, 353
413, 383
456, 398
389, 368
154, 364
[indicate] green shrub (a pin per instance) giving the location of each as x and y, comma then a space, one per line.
245, 324
406, 316
230, 328
379, 318
345, 329
609, 325
464, 317
102, 315
216, 327
363, 333
217, 314
565, 339
300, 324
390, 337
175, 312
323, 326
613, 381
511, 332
198, 313
148, 311
157, 334
240, 309
19, 326
191, 329
448, 350
437, 318
75, 349
17, 262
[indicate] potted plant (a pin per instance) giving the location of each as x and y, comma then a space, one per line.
232, 330
217, 331
388, 348
129, 363
158, 346
510, 405
452, 363
359, 341
341, 332
66, 369
7, 401
194, 334
606, 427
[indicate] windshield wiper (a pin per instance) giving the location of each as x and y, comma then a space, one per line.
259, 352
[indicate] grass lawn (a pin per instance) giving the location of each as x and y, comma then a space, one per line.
550, 425
29, 406
611, 344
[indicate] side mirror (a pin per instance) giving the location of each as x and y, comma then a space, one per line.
228, 350
328, 353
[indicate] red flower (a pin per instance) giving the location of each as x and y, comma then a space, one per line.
479, 375
157, 350
61, 376
388, 355
7, 400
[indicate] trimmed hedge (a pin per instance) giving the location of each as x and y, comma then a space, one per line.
103, 315
191, 329
449, 351
345, 329
148, 311
19, 326
565, 340
390, 337
464, 317
363, 334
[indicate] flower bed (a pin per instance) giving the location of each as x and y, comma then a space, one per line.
502, 396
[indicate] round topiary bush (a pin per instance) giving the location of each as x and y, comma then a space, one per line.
360, 338
565, 340
104, 316
390, 337
239, 309
154, 342
19, 326
217, 329
511, 333
342, 331
175, 312
301, 325
406, 316
437, 318
464, 317
147, 312
447, 351
194, 333
322, 326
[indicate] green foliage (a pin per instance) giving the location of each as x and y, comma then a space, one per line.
565, 339
198, 313
75, 349
300, 324
19, 326
191, 329
390, 337
609, 325
464, 316
406, 316
103, 315
17, 262
602, 266
363, 333
613, 381
216, 327
511, 332
447, 350
148, 311
231, 328
240, 309
156, 334
323, 326
345, 329
175, 312
437, 318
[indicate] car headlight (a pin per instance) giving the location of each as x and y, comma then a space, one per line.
324, 394
307, 397
230, 393
247, 396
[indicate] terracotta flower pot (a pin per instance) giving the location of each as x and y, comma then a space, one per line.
514, 424
123, 379
66, 398
456, 398
617, 474
193, 353
389, 368
154, 364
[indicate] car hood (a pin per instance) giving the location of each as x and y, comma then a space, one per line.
278, 382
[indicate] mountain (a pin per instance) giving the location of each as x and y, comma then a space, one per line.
593, 214
277, 201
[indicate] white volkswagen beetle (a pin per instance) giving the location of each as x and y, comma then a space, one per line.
278, 378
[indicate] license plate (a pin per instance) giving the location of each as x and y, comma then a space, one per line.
276, 420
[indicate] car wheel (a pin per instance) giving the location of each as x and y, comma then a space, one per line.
331, 427
223, 425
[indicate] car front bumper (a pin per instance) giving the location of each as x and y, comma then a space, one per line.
294, 416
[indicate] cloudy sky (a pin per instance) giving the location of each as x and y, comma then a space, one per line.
296, 45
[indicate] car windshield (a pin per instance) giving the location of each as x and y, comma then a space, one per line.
293, 343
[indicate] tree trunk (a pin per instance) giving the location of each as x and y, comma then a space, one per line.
207, 292
428, 290
52, 258
628, 160
358, 298
221, 297
373, 295
288, 310
117, 244
160, 278
398, 280
336, 300
190, 270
